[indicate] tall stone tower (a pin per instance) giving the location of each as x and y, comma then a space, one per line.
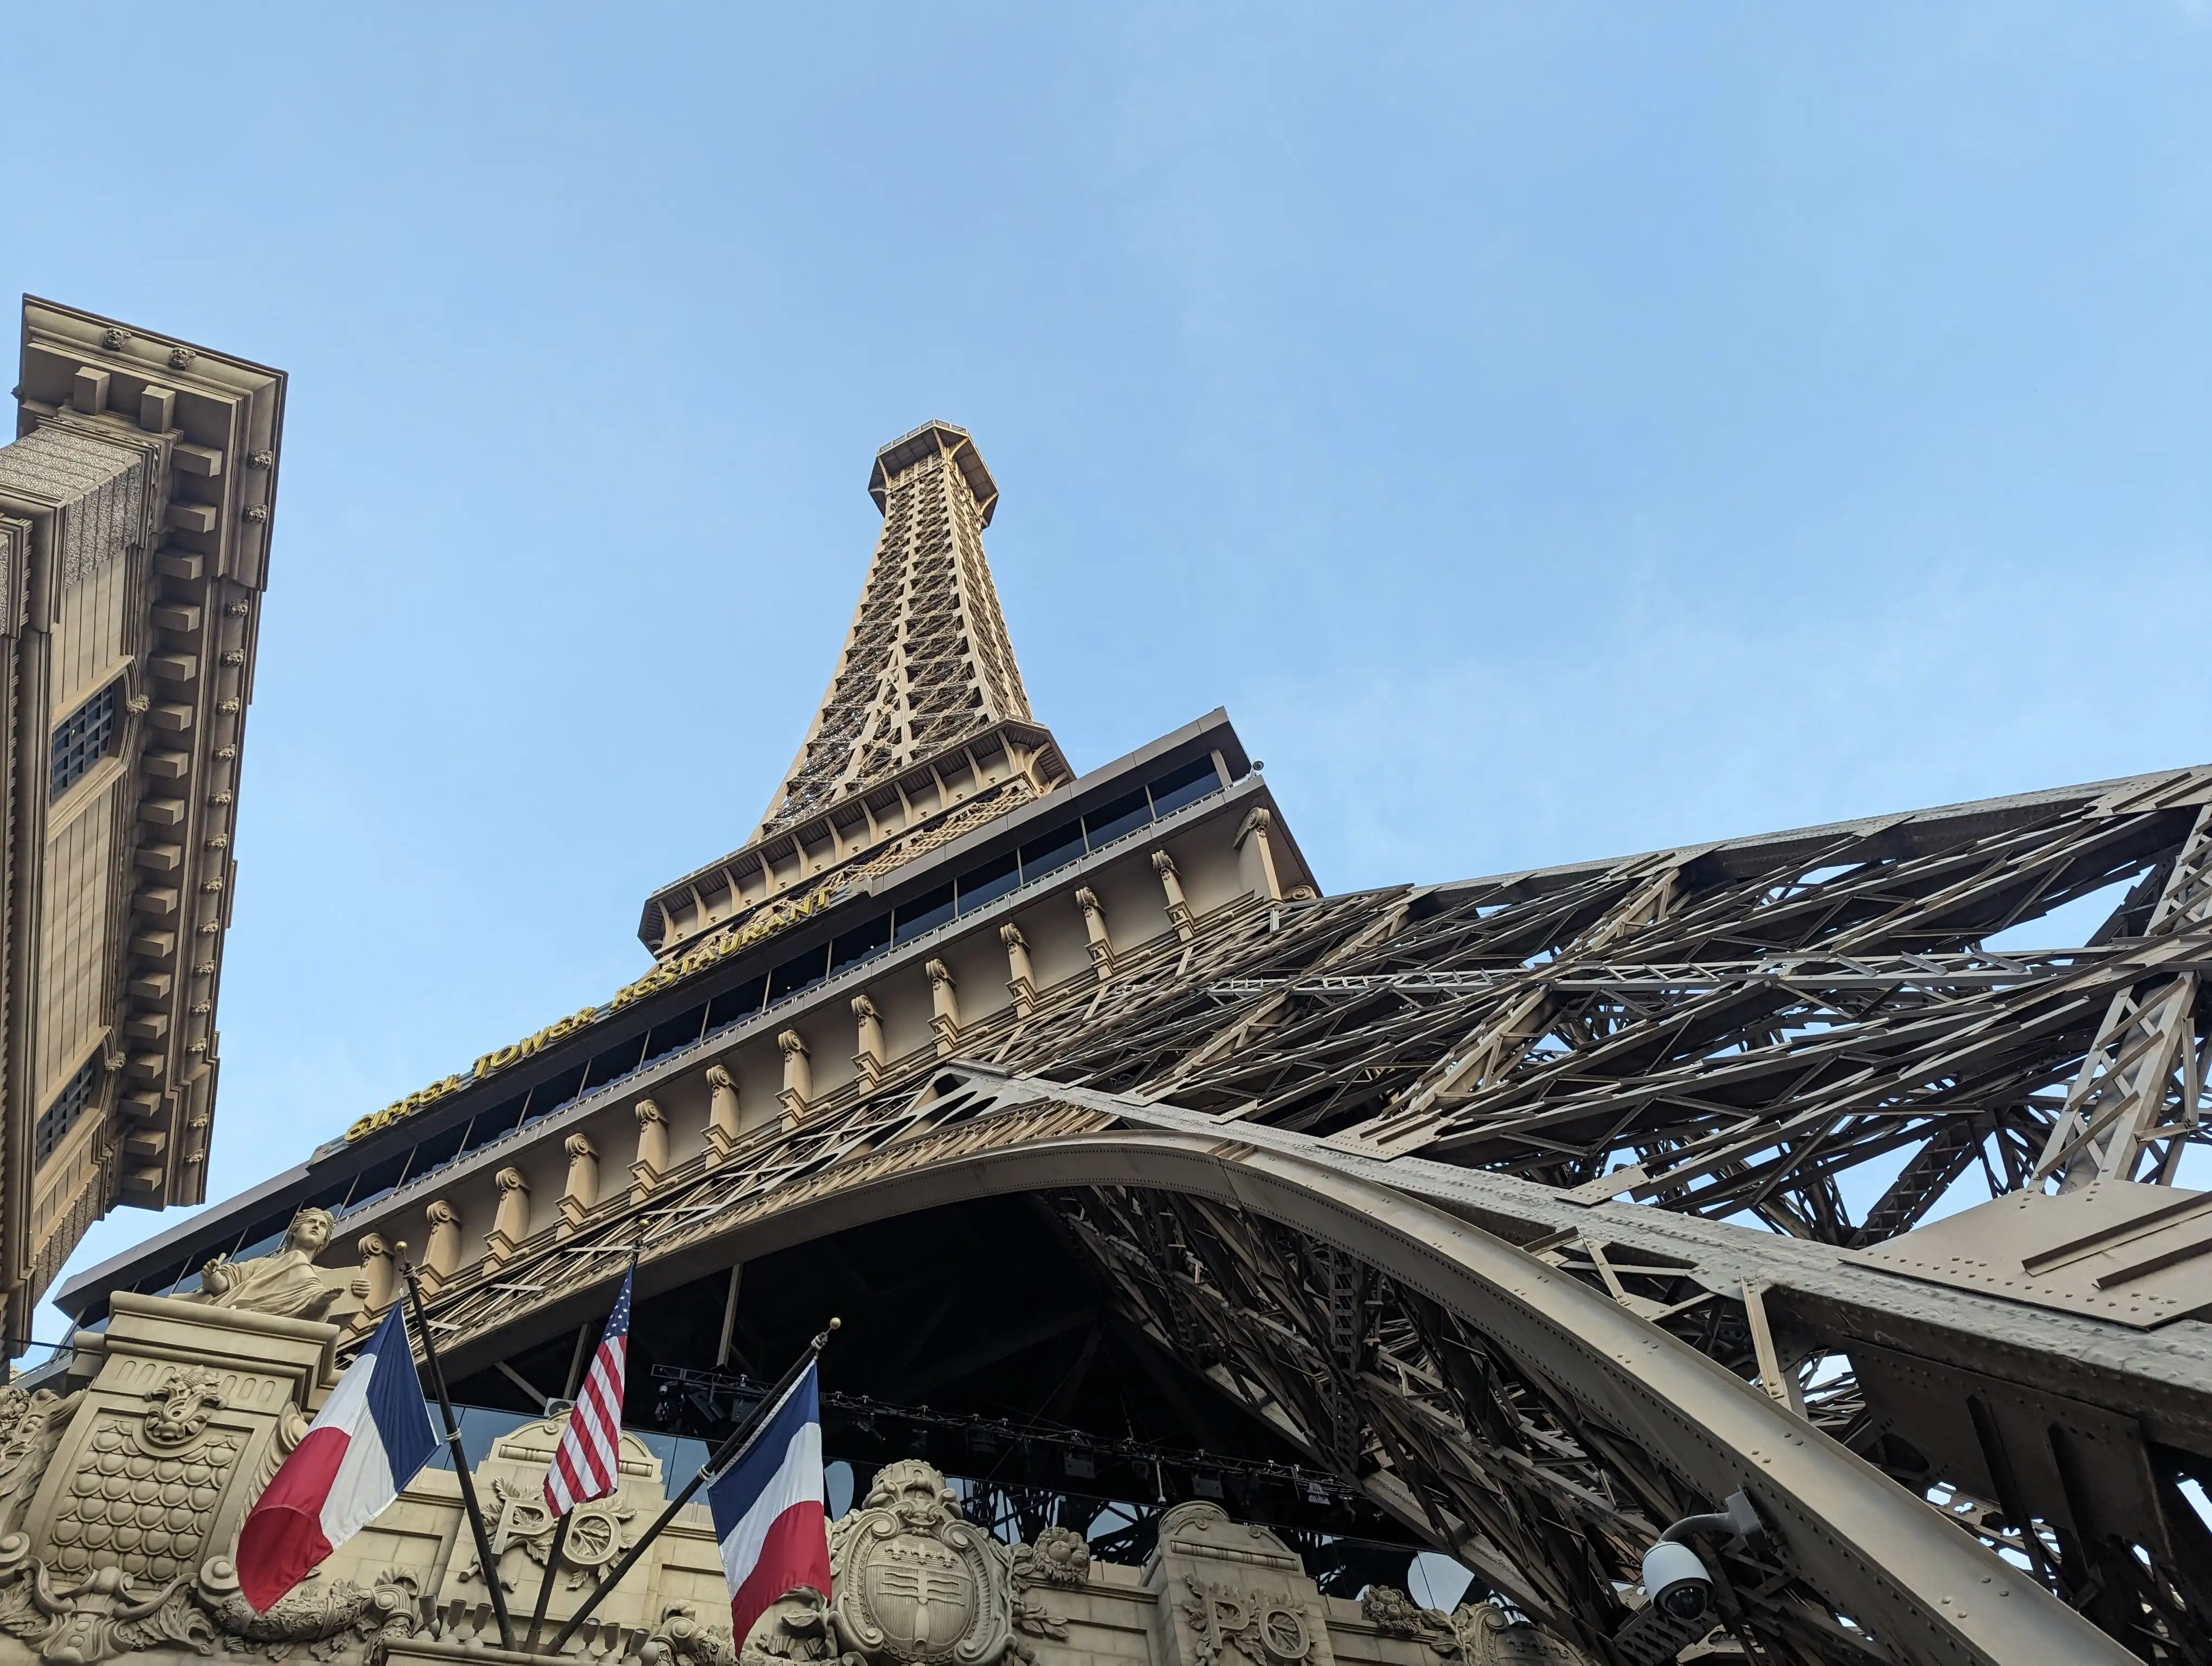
135, 515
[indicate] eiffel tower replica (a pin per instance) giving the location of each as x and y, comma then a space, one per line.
1748, 1184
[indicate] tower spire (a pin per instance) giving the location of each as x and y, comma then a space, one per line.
925, 731
926, 662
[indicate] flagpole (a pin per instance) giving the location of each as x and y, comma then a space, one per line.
723, 1457
460, 1459
560, 1529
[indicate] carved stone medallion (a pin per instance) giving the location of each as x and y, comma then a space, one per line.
915, 1583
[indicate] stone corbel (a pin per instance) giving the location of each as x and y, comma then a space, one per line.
378, 1279
1260, 859
582, 1190
1096, 940
442, 1254
511, 1227
869, 1059
1178, 906
945, 1008
721, 1113
651, 1151
1021, 977
797, 1078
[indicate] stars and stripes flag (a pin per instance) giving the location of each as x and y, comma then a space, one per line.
586, 1463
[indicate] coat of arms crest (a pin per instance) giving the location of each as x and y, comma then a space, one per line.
916, 1583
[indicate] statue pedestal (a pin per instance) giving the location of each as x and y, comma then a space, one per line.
188, 1413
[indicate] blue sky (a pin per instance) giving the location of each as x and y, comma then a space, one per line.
1551, 430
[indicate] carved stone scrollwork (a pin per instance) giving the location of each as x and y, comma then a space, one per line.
1021, 975
177, 1411
797, 1630
681, 1640
1060, 1556
598, 1533
797, 1079
31, 1426
915, 1582
722, 1112
102, 1615
1227, 1618
581, 1194
1097, 941
1488, 1637
652, 1162
331, 1619
512, 1225
1178, 906
944, 1007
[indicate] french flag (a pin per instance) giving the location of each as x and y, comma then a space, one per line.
372, 1435
769, 1514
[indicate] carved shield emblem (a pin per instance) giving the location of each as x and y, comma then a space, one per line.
920, 1595
913, 1582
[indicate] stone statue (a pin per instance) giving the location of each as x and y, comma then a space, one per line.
286, 1283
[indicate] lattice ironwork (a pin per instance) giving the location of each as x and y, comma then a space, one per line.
1696, 1087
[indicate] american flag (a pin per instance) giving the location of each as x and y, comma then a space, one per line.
585, 1463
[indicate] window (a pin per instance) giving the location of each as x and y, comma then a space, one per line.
1111, 821
58, 1118
1181, 786
1055, 850
733, 1005
860, 943
925, 913
83, 739
803, 973
992, 879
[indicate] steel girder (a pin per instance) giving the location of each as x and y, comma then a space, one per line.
1626, 1069
1510, 1409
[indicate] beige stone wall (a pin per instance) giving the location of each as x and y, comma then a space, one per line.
123, 1489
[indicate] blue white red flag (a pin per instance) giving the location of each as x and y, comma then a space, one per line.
587, 1463
771, 1518
372, 1435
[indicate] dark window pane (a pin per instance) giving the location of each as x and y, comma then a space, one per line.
268, 1233
1056, 849
379, 1182
491, 1124
83, 739
991, 880
330, 1197
617, 1060
549, 1095
741, 1002
158, 1283
925, 913
673, 1033
793, 976
857, 944
1180, 787
58, 1118
438, 1149
1111, 821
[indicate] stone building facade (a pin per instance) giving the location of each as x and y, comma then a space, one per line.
123, 1487
135, 518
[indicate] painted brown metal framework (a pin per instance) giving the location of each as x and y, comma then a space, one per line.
1551, 1208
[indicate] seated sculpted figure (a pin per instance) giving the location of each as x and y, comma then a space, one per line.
286, 1282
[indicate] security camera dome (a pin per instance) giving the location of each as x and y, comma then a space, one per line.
1676, 1581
